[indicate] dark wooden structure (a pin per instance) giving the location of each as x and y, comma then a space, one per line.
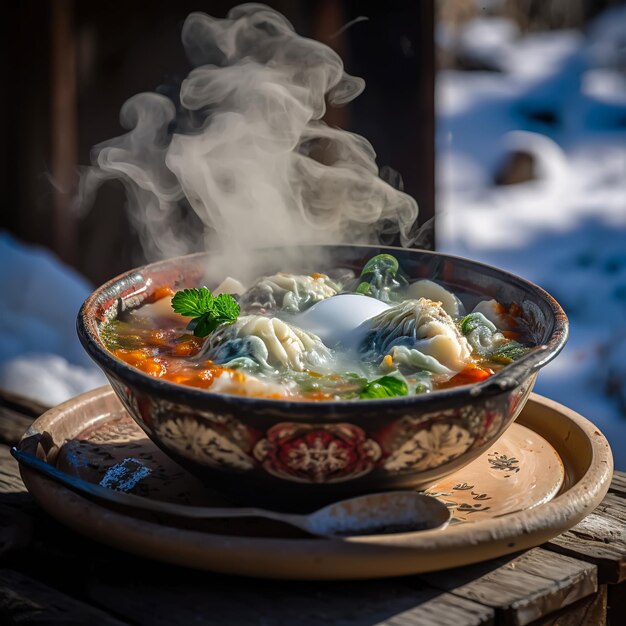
50, 575
68, 66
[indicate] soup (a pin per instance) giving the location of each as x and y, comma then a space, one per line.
318, 337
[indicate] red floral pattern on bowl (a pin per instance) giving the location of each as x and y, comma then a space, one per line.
317, 454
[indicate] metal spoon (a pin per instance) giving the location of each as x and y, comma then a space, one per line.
388, 512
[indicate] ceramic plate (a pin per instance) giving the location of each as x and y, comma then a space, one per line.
541, 477
520, 471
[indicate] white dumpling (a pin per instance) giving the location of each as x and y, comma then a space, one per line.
270, 342
161, 309
287, 292
495, 313
229, 285
421, 325
432, 291
404, 358
245, 384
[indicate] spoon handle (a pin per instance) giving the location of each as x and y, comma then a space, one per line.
138, 502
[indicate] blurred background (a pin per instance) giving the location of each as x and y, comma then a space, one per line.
506, 120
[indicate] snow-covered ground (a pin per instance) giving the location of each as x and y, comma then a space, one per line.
560, 97
40, 355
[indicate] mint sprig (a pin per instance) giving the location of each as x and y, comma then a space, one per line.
208, 311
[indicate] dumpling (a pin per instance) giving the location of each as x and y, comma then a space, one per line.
481, 333
159, 310
239, 384
488, 342
258, 342
495, 313
229, 285
421, 325
287, 292
411, 360
432, 291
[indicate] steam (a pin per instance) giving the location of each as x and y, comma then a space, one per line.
247, 151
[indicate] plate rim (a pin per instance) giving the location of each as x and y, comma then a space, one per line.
335, 559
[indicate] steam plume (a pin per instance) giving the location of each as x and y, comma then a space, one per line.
246, 149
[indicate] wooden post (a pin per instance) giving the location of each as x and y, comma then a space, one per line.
327, 20
64, 128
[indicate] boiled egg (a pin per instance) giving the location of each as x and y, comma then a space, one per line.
338, 318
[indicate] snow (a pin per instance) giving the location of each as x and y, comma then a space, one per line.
40, 355
560, 97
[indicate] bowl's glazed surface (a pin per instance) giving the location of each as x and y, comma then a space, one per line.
301, 454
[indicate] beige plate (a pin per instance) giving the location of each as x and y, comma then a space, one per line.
507, 496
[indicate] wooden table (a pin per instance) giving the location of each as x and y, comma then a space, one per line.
50, 575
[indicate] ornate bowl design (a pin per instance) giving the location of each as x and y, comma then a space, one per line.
301, 454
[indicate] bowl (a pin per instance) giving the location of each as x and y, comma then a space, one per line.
299, 455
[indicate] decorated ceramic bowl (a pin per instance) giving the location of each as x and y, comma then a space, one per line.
289, 454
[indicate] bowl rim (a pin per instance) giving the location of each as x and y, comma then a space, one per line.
507, 379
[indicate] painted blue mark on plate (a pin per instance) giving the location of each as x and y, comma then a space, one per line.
74, 458
125, 475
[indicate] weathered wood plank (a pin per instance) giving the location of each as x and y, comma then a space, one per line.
599, 539
618, 484
25, 601
26, 406
444, 610
11, 485
13, 425
522, 589
199, 598
590, 611
16, 529
616, 604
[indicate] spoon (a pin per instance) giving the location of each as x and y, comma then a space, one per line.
387, 512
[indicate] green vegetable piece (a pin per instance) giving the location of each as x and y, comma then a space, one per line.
382, 263
363, 288
385, 387
192, 302
208, 312
473, 321
508, 353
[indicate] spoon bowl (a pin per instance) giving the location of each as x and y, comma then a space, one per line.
379, 513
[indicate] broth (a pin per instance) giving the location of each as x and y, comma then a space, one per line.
318, 337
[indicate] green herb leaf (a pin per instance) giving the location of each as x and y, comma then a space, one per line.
203, 325
383, 263
226, 308
208, 312
385, 387
193, 302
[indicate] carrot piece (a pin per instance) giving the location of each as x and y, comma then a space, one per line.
153, 367
132, 357
186, 348
471, 374
158, 338
181, 379
162, 292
